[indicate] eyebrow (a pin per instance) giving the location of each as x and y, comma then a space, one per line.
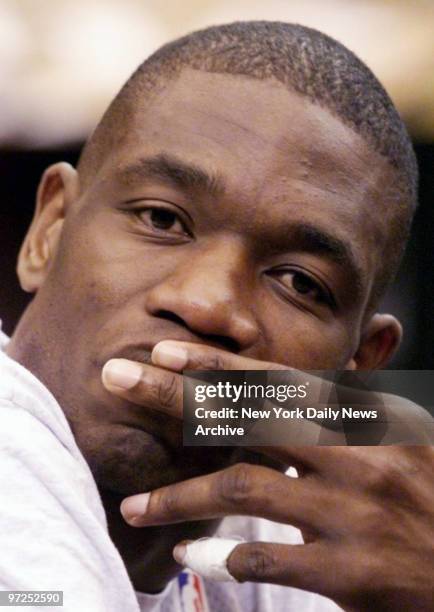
170, 169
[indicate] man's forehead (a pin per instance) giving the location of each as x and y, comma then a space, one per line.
243, 123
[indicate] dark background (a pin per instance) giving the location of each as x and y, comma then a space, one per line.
410, 298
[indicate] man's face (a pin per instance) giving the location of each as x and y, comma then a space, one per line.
232, 213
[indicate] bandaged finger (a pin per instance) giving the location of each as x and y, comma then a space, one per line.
208, 557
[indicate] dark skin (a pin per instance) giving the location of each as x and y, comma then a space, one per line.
209, 223
366, 513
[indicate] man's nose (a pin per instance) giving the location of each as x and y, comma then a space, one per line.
210, 294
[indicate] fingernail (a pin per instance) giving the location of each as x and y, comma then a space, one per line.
133, 508
121, 373
169, 356
179, 553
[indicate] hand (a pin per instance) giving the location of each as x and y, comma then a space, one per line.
368, 512
398, 420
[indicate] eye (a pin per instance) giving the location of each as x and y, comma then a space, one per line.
304, 286
162, 220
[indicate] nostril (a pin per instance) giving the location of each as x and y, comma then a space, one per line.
170, 316
224, 342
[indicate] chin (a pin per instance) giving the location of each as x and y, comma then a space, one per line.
126, 460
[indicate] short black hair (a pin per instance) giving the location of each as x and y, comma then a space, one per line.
305, 61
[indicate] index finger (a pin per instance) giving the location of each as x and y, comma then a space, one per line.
178, 356
162, 390
145, 385
242, 489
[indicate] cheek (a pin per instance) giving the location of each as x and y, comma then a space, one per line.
103, 266
105, 274
304, 342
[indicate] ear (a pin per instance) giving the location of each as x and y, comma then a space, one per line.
57, 189
379, 341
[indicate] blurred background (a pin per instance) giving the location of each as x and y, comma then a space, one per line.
62, 61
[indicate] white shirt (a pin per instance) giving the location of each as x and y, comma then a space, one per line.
53, 526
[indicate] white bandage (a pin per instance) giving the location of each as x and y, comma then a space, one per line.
208, 556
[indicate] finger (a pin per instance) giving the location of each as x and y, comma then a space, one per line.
316, 391
304, 567
145, 385
162, 390
242, 489
207, 557
179, 356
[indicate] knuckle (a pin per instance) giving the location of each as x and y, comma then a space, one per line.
385, 479
168, 504
260, 561
213, 362
236, 484
166, 391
